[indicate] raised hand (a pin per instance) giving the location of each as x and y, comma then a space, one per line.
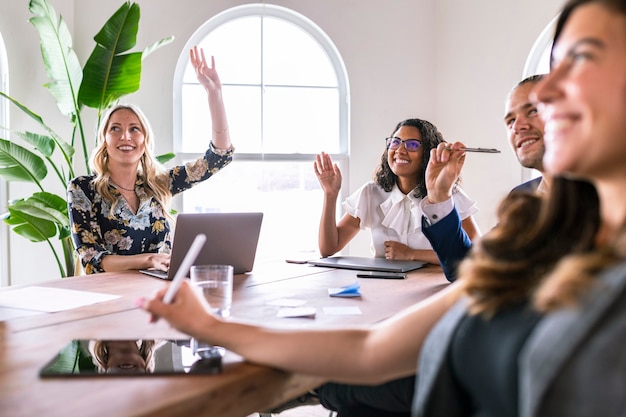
443, 170
207, 75
328, 174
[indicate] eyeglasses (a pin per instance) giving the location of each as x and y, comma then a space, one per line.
411, 145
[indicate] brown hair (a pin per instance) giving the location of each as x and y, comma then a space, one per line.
431, 137
533, 234
543, 249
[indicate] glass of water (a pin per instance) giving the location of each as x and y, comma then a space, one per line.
216, 283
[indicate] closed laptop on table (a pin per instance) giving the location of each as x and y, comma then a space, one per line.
232, 239
367, 264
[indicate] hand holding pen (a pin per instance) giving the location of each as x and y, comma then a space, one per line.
443, 170
169, 293
479, 150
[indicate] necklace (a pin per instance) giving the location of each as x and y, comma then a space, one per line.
121, 188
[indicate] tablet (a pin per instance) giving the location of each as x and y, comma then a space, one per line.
106, 358
381, 274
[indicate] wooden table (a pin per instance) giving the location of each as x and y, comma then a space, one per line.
27, 343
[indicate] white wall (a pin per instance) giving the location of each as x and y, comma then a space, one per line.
482, 48
448, 61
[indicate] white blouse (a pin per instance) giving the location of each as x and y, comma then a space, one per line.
396, 216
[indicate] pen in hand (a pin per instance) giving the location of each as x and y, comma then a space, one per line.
480, 150
185, 265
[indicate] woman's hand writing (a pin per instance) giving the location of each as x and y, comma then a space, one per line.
189, 311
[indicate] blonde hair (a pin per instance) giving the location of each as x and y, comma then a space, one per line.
100, 353
153, 175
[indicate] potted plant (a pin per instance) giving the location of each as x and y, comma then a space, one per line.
111, 72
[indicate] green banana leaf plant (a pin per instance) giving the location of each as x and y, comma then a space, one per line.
111, 72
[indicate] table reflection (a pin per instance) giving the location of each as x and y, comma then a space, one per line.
129, 357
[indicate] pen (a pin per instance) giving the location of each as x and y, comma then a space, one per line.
190, 257
481, 150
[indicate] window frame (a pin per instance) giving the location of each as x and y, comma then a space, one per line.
4, 196
262, 9
323, 41
533, 65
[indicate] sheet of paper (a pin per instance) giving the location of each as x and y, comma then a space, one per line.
295, 312
50, 300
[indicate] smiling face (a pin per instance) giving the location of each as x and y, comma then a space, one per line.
125, 138
583, 99
124, 357
524, 127
403, 163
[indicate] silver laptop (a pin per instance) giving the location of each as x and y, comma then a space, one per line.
367, 264
232, 239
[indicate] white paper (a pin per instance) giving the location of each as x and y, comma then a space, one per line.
294, 312
50, 300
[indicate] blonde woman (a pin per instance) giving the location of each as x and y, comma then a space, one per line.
120, 215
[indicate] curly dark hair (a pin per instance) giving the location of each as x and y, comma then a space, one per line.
431, 137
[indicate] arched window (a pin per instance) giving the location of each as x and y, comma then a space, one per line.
4, 121
538, 62
286, 94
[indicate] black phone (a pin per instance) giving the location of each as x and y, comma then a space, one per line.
382, 274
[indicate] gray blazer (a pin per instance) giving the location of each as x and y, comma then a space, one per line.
572, 365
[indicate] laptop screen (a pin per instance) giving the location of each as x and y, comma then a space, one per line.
232, 239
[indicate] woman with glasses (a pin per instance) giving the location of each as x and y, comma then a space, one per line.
390, 205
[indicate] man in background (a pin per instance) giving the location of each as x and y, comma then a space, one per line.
525, 133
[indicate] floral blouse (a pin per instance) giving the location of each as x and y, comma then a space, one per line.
97, 233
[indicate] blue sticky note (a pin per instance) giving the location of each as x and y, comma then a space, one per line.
352, 290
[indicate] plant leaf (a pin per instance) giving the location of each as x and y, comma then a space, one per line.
44, 144
149, 49
20, 164
60, 60
121, 76
109, 73
45, 206
67, 149
119, 33
30, 227
67, 361
165, 157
